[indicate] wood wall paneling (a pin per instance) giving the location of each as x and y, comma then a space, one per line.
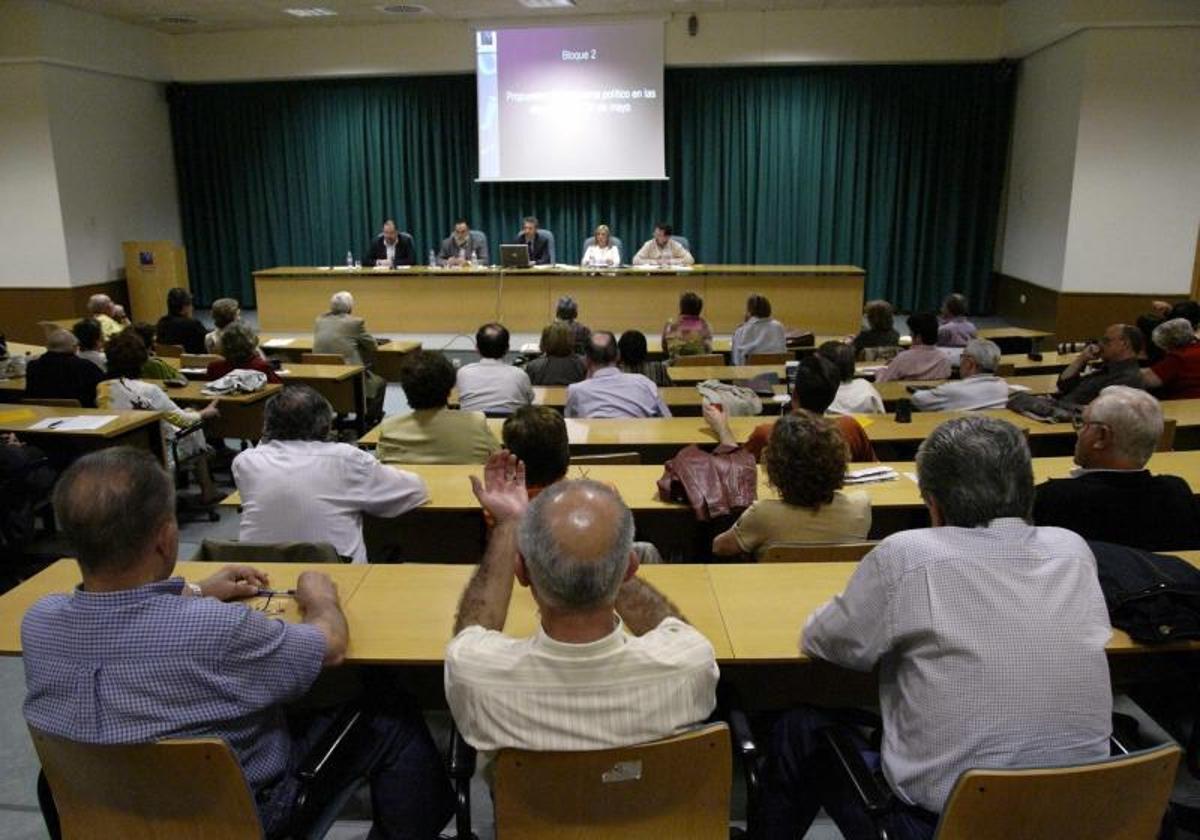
22, 308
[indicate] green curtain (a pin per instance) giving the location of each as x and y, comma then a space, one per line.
898, 169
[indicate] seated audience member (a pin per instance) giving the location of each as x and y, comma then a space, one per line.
341, 482
165, 658
855, 395
541, 251
607, 392
817, 383
1177, 375
492, 385
806, 463
558, 364
923, 360
687, 334
979, 387
661, 249
1162, 311
566, 311
1111, 496
954, 330
607, 643
1117, 351
633, 352
27, 475
60, 374
155, 368
537, 436
463, 246
990, 633
224, 312
107, 314
239, 351
880, 331
432, 433
91, 342
342, 333
178, 326
758, 332
602, 251
390, 249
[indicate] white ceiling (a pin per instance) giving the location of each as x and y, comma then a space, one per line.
217, 15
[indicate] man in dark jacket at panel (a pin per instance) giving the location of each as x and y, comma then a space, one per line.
61, 374
1111, 496
390, 248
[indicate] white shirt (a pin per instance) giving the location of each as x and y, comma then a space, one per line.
492, 385
541, 694
990, 646
595, 255
975, 393
858, 396
318, 491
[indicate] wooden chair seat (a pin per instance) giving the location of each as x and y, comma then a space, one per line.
816, 553
703, 360
168, 351
235, 551
1166, 442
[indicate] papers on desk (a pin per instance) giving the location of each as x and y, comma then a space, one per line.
194, 371
871, 475
79, 423
531, 348
869, 372
278, 342
782, 398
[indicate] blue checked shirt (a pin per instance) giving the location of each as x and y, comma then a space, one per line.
145, 664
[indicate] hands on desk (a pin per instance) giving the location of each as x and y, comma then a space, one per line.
234, 582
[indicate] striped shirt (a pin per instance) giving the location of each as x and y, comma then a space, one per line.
541, 694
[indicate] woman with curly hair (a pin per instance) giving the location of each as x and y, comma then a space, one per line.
806, 463
239, 351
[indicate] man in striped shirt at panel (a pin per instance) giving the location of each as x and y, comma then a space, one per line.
612, 663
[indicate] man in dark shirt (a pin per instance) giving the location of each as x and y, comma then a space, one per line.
60, 374
1112, 497
390, 248
178, 326
539, 243
1117, 351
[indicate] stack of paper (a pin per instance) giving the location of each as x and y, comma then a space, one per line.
870, 475
79, 423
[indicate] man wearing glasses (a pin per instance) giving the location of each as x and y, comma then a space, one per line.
1117, 353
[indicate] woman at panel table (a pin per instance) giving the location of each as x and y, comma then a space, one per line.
601, 252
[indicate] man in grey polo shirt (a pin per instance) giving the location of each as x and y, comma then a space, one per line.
491, 385
609, 392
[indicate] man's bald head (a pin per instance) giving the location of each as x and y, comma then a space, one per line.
602, 350
99, 305
61, 341
575, 539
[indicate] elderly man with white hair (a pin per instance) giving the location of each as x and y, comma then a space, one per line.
979, 387
1111, 496
110, 316
1177, 375
340, 332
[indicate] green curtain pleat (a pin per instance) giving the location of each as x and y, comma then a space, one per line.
898, 169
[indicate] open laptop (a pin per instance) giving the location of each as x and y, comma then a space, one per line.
514, 256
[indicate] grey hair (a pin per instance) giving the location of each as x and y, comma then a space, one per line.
1178, 332
976, 469
985, 353
342, 303
297, 412
62, 341
1135, 418
562, 577
98, 303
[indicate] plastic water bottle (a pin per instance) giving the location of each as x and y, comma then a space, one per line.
349, 259
432, 259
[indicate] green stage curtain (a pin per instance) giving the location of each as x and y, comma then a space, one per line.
898, 169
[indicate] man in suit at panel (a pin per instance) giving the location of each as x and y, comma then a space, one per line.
390, 248
541, 252
463, 246
340, 332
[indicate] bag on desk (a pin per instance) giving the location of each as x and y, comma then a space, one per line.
236, 382
737, 400
799, 338
714, 484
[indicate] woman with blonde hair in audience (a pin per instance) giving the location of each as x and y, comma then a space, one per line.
558, 364
687, 334
602, 252
806, 463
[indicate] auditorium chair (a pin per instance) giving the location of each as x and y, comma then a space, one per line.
816, 553
196, 361
168, 351
683, 240
612, 240
322, 359
700, 360
235, 551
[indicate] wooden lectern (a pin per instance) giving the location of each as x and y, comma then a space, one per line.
151, 270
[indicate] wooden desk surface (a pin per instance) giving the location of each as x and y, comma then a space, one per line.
19, 418
297, 344
193, 392
992, 333
725, 373
1051, 361
19, 348
335, 373
559, 268
681, 396
1040, 383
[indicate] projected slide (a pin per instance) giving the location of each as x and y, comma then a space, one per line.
580, 103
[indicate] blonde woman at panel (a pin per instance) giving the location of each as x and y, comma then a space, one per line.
602, 252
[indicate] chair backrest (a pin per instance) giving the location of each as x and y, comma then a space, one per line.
197, 360
52, 402
769, 358
1006, 370
676, 787
322, 359
700, 360
612, 240
816, 553
168, 351
683, 240
233, 551
609, 458
1123, 797
1166, 441
550, 244
191, 789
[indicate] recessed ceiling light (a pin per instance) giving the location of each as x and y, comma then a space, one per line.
403, 9
316, 11
548, 4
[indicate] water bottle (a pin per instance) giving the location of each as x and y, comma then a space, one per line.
432, 259
349, 260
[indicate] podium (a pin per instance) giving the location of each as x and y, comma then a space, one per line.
151, 270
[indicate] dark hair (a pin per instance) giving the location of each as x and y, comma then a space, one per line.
88, 332
879, 315
557, 340
665, 227
817, 383
632, 348
238, 343
805, 459
146, 333
462, 221
110, 505
126, 354
491, 340
427, 379
567, 309
297, 412
955, 305
1134, 337
841, 355
1189, 309
924, 325
758, 306
691, 303
177, 300
537, 435
602, 352
530, 219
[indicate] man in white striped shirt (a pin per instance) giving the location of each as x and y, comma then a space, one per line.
612, 662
